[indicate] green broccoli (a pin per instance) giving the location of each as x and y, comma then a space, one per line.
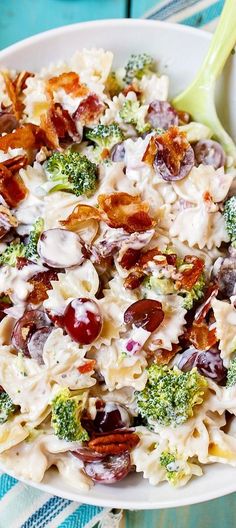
133, 113
230, 218
11, 253
31, 248
160, 285
7, 407
194, 294
66, 413
138, 66
73, 172
170, 395
174, 473
105, 136
231, 374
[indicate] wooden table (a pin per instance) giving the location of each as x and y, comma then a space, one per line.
20, 19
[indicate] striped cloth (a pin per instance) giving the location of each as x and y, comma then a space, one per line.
25, 507
202, 14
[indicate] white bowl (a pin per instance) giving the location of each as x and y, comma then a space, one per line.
179, 51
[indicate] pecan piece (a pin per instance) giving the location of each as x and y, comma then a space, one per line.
114, 443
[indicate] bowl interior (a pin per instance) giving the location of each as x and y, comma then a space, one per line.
179, 51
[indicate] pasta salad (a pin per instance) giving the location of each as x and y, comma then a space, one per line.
117, 277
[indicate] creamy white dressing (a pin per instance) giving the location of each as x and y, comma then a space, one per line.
60, 248
14, 281
83, 308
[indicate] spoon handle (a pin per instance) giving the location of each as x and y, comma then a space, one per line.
222, 43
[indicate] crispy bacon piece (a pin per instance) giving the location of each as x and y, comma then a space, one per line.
130, 258
57, 124
24, 137
205, 307
137, 275
190, 276
170, 154
87, 367
201, 337
123, 210
89, 110
14, 90
12, 187
70, 82
80, 213
41, 283
163, 356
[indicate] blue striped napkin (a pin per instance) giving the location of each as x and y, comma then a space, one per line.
23, 506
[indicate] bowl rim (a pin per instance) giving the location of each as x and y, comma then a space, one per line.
109, 22
51, 488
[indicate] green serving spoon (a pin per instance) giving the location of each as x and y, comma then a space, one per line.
199, 98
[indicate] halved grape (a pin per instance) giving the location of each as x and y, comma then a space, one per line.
209, 152
28, 324
118, 152
146, 313
110, 470
87, 455
162, 115
208, 362
82, 320
60, 248
165, 170
111, 417
37, 342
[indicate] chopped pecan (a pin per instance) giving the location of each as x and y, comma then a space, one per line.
24, 137
41, 283
114, 443
16, 163
8, 121
7, 220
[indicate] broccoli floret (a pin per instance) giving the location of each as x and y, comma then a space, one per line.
194, 294
231, 374
7, 407
160, 285
31, 248
105, 136
133, 113
170, 395
66, 412
73, 172
138, 66
11, 253
230, 218
174, 473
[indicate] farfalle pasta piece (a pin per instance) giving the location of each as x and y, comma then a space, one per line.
225, 316
82, 281
146, 457
93, 67
154, 87
172, 325
65, 362
115, 105
12, 433
35, 99
33, 458
204, 179
121, 370
197, 226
